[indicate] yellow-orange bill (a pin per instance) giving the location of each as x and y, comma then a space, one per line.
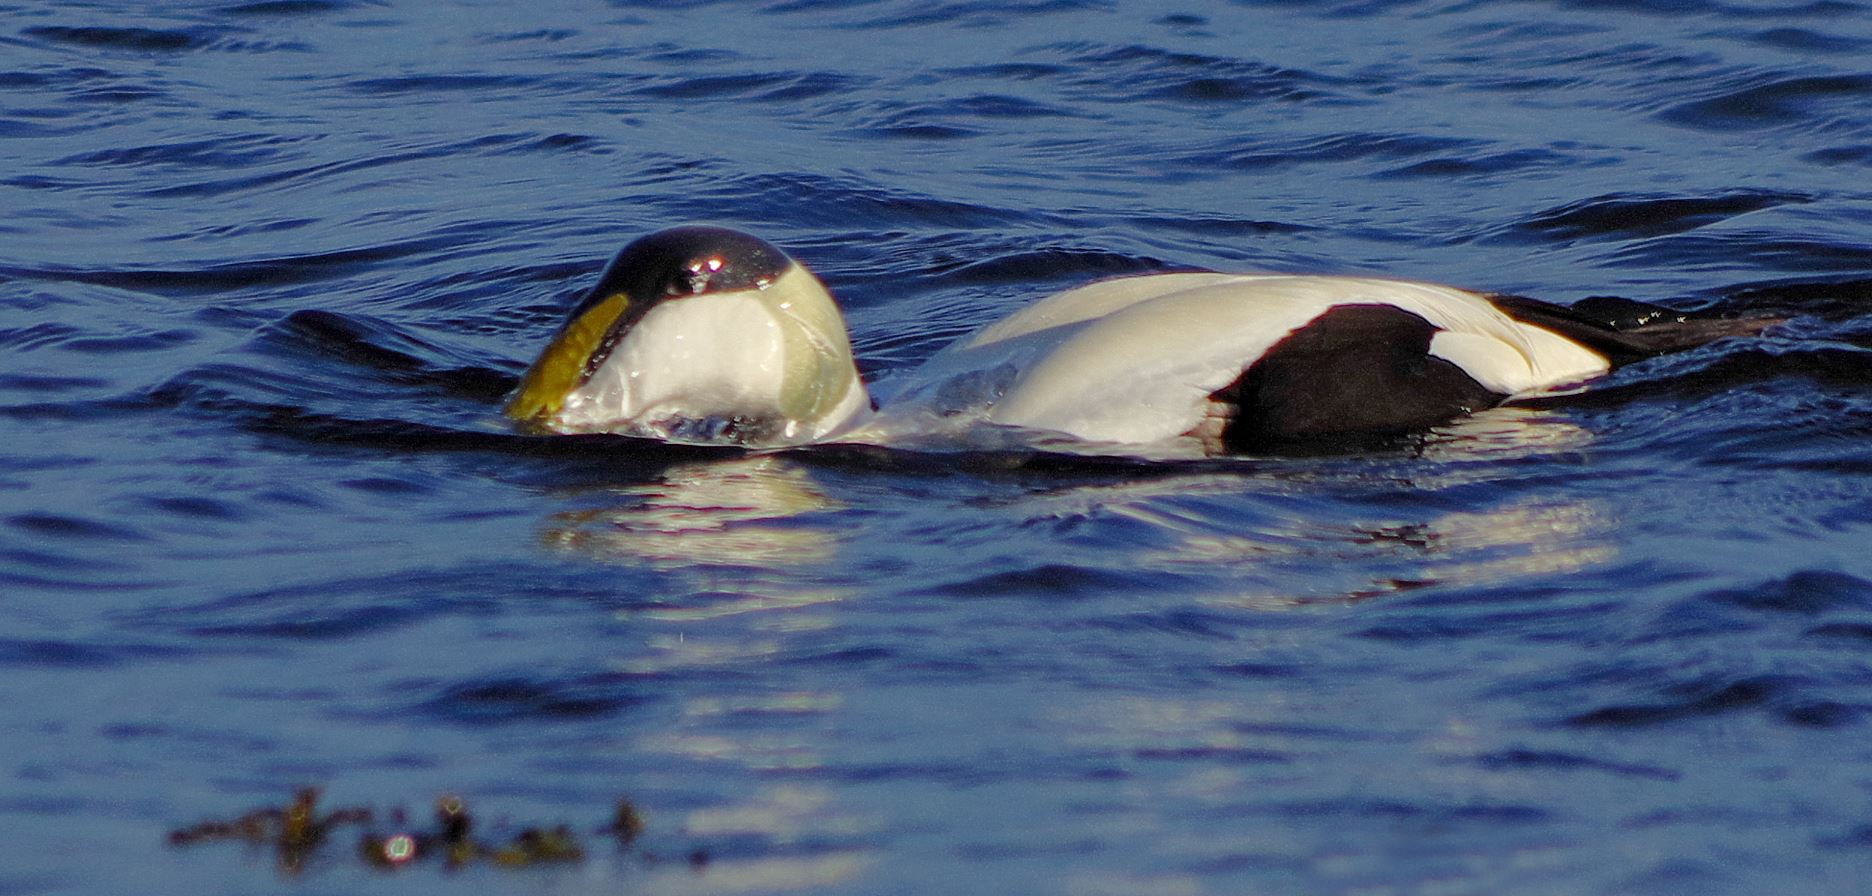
560, 367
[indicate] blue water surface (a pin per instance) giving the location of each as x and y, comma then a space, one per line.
267, 268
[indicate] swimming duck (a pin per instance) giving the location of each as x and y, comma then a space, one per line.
710, 335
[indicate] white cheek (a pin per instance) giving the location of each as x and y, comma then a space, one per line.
697, 357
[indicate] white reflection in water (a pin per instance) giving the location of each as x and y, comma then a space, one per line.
745, 540
738, 530
1525, 535
1314, 523
736, 511
1505, 433
748, 533
769, 875
789, 816
741, 539
1380, 556
716, 729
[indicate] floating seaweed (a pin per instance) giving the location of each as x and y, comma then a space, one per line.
297, 831
626, 823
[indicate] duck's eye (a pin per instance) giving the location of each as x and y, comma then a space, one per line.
703, 274
695, 277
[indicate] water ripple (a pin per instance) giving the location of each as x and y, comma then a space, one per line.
229, 276
285, 7
141, 40
516, 700
1193, 77
1776, 103
270, 266
1626, 215
425, 85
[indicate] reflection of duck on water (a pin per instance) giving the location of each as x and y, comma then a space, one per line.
702, 334
700, 516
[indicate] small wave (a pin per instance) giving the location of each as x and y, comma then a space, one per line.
1044, 265
1474, 164
238, 275
65, 527
25, 653
372, 345
1047, 581
1804, 40
1859, 154
324, 606
196, 507
1196, 78
1547, 759
1826, 299
1805, 593
141, 40
117, 96
1738, 249
775, 86
1215, 227
1662, 687
851, 204
561, 142
1719, 8
492, 144
39, 335
915, 130
1226, 756
1715, 697
518, 699
424, 85
988, 105
1263, 154
40, 384
1797, 604
1776, 103
1630, 215
1009, 71
957, 13
230, 151
284, 8
684, 56
1429, 813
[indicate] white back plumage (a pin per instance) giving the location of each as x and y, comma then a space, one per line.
1134, 360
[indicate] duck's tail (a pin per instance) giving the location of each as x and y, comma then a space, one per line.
1625, 330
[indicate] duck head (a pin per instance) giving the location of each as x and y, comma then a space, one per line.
698, 334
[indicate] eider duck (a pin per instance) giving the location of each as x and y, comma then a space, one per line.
709, 335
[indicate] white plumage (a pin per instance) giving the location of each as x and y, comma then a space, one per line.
1134, 361
708, 334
